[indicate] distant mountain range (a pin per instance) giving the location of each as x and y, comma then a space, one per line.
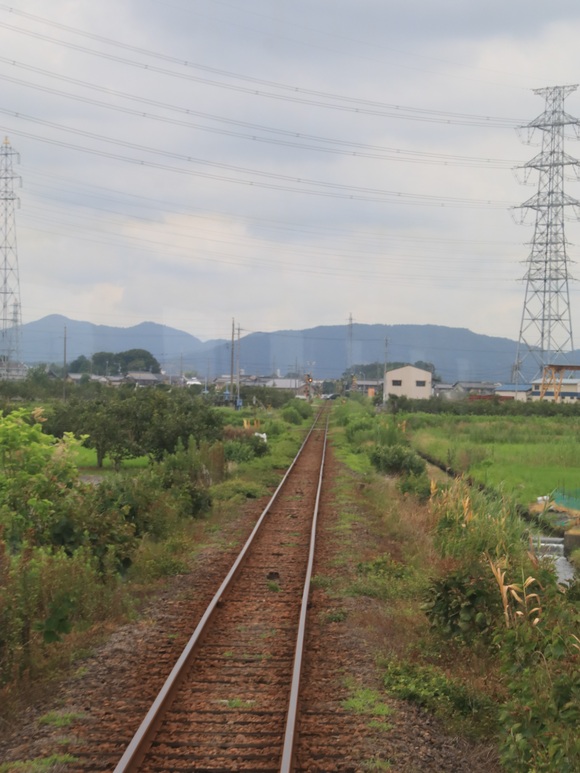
325, 351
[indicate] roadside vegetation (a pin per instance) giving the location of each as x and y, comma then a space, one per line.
526, 457
467, 622
77, 555
476, 628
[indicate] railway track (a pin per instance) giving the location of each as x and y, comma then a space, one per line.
231, 701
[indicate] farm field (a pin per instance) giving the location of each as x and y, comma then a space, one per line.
526, 457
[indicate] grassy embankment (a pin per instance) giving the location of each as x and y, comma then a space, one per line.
467, 623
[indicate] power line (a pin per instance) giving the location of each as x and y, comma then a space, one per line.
355, 104
307, 186
347, 148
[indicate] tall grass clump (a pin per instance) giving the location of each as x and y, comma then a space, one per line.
493, 593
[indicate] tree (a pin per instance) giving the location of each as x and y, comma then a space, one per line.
82, 364
108, 363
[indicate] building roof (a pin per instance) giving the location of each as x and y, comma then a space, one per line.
514, 388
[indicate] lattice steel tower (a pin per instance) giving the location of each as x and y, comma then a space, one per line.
10, 315
546, 326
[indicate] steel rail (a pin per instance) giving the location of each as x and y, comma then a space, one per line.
141, 741
288, 749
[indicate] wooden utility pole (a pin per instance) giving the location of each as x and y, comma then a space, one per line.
64, 368
232, 362
238, 369
385, 373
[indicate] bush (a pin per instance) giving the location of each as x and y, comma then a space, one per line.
463, 604
236, 451
418, 485
397, 459
302, 406
292, 416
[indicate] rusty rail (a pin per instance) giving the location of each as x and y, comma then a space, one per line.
137, 749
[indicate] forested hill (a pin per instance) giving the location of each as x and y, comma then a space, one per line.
457, 353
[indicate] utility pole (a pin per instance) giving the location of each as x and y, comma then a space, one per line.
10, 312
350, 362
64, 368
232, 363
385, 372
238, 370
546, 328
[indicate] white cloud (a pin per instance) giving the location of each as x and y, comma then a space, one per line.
193, 224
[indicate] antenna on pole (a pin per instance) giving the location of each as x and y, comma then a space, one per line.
546, 327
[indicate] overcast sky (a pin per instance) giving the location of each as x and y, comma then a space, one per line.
286, 165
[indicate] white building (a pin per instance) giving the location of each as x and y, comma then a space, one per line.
566, 390
409, 381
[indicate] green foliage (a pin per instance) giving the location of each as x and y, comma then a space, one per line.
236, 451
107, 363
540, 655
38, 765
126, 423
448, 698
44, 594
58, 621
397, 459
38, 493
463, 603
471, 523
367, 702
417, 485
335, 616
60, 718
236, 488
525, 457
360, 429
154, 559
292, 416
384, 578
246, 448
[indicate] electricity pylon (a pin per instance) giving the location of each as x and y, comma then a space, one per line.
10, 314
546, 327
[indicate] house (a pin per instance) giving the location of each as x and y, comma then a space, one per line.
519, 392
369, 386
13, 371
568, 390
143, 378
409, 381
471, 390
77, 378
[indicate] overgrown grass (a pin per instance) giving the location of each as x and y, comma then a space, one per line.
86, 459
466, 710
526, 457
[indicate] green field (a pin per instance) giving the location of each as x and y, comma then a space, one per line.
527, 457
86, 459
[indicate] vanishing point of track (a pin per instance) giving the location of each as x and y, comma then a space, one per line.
231, 701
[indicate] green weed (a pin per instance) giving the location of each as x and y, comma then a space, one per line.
60, 719
54, 763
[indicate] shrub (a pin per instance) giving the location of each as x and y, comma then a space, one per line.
463, 604
397, 459
292, 416
302, 406
418, 485
236, 451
